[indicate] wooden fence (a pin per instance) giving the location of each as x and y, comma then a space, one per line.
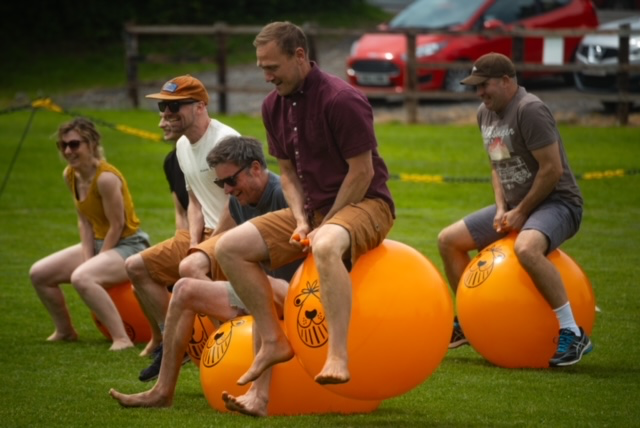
411, 96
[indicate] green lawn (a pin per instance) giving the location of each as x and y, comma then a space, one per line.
67, 384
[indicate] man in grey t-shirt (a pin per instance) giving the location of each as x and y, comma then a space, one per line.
253, 191
535, 192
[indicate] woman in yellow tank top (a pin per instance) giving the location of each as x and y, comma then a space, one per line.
109, 233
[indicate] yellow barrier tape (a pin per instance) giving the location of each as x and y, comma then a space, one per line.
422, 178
139, 133
48, 104
597, 175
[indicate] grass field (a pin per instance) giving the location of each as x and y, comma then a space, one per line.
44, 384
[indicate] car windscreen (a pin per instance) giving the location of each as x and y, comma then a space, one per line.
436, 13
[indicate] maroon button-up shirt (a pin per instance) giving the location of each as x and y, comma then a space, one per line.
318, 128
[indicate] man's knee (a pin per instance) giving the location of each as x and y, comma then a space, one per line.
135, 267
331, 243
529, 247
195, 265
181, 292
455, 237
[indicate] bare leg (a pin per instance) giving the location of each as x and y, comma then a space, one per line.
530, 247
190, 296
156, 333
90, 280
454, 243
329, 244
196, 265
255, 401
153, 298
240, 262
46, 276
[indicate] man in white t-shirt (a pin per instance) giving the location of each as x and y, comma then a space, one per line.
183, 102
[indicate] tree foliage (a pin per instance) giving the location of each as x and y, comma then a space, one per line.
96, 21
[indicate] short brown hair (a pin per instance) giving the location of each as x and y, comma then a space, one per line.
287, 36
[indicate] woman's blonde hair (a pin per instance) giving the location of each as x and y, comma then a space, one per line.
87, 131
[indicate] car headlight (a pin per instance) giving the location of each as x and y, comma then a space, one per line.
429, 49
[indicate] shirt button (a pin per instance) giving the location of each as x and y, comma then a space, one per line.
294, 104
295, 128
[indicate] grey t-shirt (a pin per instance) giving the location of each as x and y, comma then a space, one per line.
526, 124
272, 200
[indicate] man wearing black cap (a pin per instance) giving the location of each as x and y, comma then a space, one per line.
535, 192
183, 103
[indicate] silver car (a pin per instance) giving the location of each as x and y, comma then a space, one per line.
602, 49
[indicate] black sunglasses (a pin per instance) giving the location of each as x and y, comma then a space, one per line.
231, 181
174, 106
73, 145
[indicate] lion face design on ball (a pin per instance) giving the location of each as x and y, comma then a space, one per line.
482, 265
311, 323
215, 350
199, 337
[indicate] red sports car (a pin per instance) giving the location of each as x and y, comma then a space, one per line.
377, 62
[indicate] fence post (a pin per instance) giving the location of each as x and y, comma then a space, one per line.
411, 83
221, 59
131, 61
623, 74
517, 51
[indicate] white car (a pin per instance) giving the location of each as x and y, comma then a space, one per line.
602, 49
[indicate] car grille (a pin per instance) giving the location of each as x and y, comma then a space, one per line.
375, 73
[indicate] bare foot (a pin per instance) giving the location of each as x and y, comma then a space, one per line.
268, 355
335, 371
148, 350
144, 399
120, 344
247, 404
71, 336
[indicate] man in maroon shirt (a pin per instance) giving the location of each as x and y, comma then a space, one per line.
321, 131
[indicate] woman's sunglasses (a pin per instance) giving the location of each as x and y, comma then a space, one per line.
174, 106
73, 145
230, 181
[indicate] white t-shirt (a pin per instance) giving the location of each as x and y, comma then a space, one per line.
197, 174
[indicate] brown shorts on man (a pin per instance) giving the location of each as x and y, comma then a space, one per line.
163, 260
368, 223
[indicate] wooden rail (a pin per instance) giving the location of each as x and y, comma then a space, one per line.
411, 95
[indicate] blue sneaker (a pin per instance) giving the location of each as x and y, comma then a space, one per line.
571, 348
152, 372
457, 336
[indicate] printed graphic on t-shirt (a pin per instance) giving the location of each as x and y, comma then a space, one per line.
497, 141
512, 172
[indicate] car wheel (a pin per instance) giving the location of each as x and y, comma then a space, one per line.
452, 80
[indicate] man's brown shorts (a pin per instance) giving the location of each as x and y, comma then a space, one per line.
163, 260
368, 223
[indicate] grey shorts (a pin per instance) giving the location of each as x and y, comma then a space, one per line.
128, 246
557, 220
234, 300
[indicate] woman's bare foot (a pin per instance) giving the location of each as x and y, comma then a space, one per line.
120, 344
268, 355
248, 404
144, 399
335, 371
150, 348
56, 336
